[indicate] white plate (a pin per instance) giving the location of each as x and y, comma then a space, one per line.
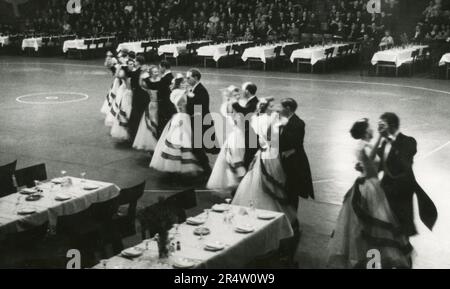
132, 252
195, 221
214, 246
182, 263
62, 197
244, 229
26, 211
220, 208
267, 216
28, 191
57, 181
90, 187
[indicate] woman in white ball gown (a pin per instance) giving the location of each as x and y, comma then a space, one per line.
112, 64
229, 168
122, 107
264, 186
147, 134
366, 221
173, 153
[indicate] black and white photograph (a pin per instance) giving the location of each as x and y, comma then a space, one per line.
259, 136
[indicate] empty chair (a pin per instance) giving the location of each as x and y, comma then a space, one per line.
27, 176
7, 185
124, 220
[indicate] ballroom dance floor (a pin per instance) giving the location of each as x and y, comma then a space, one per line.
50, 112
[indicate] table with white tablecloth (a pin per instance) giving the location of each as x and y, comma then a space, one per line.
4, 40
239, 248
397, 55
445, 59
177, 49
34, 43
79, 195
79, 44
217, 51
136, 46
263, 52
315, 53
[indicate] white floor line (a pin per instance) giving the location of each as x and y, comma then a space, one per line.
433, 151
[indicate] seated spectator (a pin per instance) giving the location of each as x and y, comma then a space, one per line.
387, 40
294, 33
418, 35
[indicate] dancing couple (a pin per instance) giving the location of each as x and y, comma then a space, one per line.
378, 215
178, 150
263, 160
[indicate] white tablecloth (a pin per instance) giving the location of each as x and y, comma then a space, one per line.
262, 52
47, 208
445, 59
239, 248
135, 46
4, 40
397, 55
177, 49
217, 51
78, 44
315, 53
34, 43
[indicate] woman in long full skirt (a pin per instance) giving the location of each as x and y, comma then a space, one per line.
122, 108
147, 134
174, 151
264, 186
366, 226
229, 168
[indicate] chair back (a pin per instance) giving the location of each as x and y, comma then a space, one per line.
130, 197
329, 53
7, 186
27, 176
277, 51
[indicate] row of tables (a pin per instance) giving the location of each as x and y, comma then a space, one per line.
399, 56
236, 236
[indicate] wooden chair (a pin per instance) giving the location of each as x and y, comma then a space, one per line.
7, 186
123, 221
412, 63
27, 176
328, 57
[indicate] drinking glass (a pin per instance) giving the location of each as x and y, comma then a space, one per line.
83, 177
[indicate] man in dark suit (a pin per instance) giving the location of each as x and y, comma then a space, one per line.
247, 108
140, 97
397, 153
293, 156
166, 109
203, 132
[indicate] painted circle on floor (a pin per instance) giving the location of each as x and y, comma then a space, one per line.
57, 97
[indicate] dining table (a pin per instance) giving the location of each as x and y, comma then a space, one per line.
397, 55
179, 48
263, 52
315, 53
235, 236
4, 40
48, 200
217, 51
445, 59
136, 46
33, 42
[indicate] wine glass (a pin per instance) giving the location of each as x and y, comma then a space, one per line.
83, 177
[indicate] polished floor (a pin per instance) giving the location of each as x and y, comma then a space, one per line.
50, 112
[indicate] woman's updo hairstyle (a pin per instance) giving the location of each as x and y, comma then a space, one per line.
359, 129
